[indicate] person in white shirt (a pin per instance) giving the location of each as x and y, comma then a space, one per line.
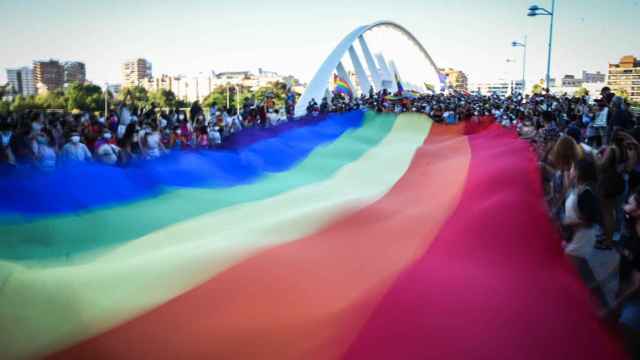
74, 150
596, 131
213, 112
272, 118
44, 154
125, 113
107, 152
5, 149
227, 119
122, 126
282, 116
601, 117
214, 136
154, 147
236, 123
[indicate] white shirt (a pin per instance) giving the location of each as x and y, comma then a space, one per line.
75, 152
46, 156
153, 145
108, 153
236, 123
227, 120
214, 137
601, 118
272, 118
584, 238
125, 116
121, 130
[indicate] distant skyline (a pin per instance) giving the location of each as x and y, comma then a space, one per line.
293, 37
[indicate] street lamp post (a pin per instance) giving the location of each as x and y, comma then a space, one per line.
511, 82
535, 10
106, 100
197, 90
524, 61
237, 100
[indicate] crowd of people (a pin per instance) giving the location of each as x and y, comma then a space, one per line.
47, 139
125, 133
589, 152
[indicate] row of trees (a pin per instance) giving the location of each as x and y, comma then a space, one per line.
89, 97
75, 96
221, 94
582, 91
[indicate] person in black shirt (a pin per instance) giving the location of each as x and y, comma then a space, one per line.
195, 110
626, 307
621, 117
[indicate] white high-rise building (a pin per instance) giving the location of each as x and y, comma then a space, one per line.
21, 80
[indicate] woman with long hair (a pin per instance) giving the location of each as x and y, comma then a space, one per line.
611, 186
581, 208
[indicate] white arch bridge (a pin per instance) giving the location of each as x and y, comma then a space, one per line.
381, 74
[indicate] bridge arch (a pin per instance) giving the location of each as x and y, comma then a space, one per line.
320, 82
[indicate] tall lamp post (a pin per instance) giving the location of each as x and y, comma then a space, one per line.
106, 100
535, 10
237, 100
524, 61
512, 85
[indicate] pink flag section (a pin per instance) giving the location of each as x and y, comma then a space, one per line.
494, 284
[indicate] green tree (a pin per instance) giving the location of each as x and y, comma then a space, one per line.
278, 90
136, 96
581, 92
218, 97
21, 103
83, 97
537, 89
51, 100
621, 92
5, 107
163, 98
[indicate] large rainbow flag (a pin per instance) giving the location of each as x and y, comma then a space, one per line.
356, 236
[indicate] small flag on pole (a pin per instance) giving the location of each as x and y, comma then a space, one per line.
341, 86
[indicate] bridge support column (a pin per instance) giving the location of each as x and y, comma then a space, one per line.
394, 72
371, 63
388, 81
363, 79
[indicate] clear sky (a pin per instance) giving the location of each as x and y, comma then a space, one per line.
294, 36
